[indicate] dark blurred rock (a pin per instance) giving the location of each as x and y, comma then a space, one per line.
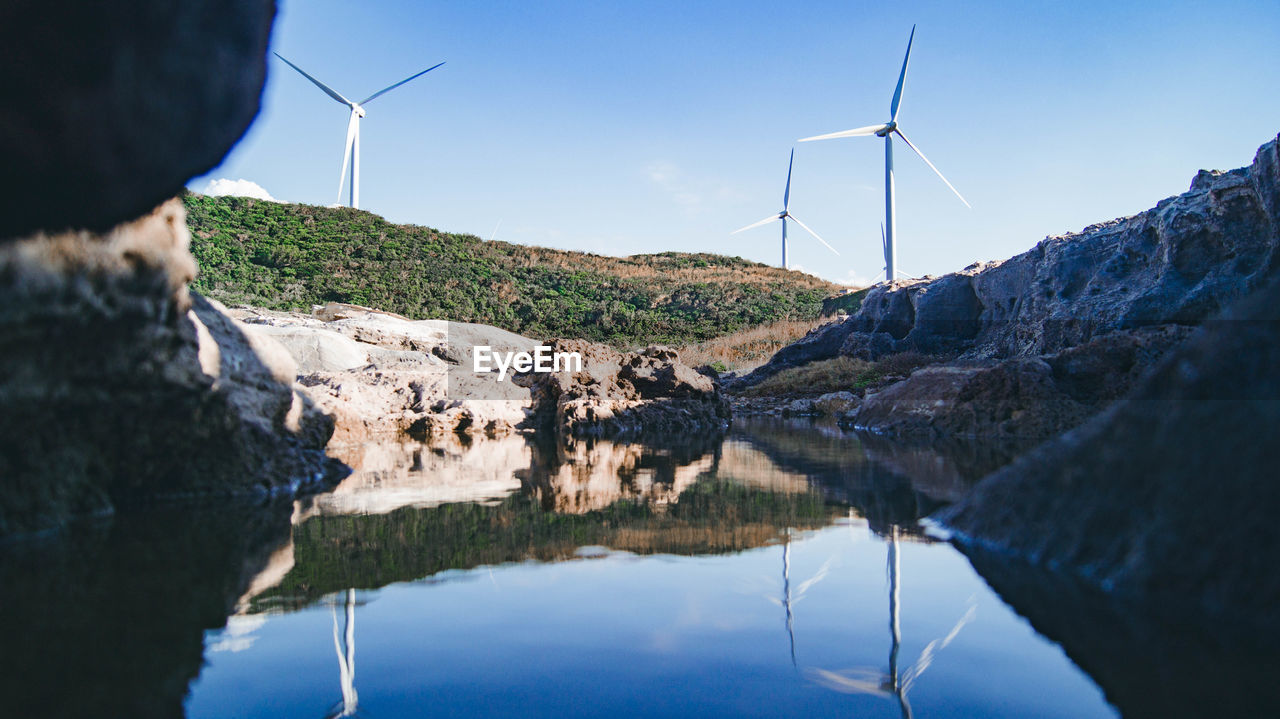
111, 106
110, 619
1171, 491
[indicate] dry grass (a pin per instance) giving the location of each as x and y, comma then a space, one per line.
747, 349
841, 373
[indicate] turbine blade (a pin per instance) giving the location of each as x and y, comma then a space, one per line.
347, 150
902, 79
786, 196
936, 170
856, 132
327, 90
815, 235
385, 90
752, 226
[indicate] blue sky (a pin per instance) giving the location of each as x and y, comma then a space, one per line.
624, 128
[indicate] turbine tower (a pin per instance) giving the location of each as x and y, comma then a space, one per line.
351, 148
887, 131
784, 216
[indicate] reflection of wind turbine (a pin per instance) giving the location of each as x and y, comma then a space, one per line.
346, 650
784, 216
788, 599
887, 131
870, 680
351, 149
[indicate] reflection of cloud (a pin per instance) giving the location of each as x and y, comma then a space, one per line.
237, 637
238, 188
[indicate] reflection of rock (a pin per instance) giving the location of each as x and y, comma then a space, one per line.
118, 385
628, 393
1150, 661
110, 620
591, 475
396, 471
888, 482
639, 498
115, 106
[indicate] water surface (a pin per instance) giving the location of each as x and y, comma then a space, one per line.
780, 570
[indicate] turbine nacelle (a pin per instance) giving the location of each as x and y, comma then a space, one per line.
887, 129
359, 111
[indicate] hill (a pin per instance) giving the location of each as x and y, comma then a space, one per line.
285, 256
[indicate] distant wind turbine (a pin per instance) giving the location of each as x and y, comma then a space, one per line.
887, 131
351, 149
784, 216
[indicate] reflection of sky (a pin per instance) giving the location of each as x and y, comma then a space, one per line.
657, 636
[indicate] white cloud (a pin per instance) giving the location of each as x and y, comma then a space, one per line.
238, 188
690, 193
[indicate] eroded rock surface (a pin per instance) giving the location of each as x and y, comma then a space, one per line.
628, 393
1033, 397
117, 384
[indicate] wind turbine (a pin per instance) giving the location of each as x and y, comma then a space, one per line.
887, 131
351, 149
784, 216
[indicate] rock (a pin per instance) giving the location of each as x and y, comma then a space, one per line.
1035, 397
317, 350
115, 105
117, 385
836, 404
626, 393
1178, 263
1169, 493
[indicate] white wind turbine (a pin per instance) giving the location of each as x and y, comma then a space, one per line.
784, 216
351, 149
887, 131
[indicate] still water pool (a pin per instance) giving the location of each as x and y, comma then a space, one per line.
778, 571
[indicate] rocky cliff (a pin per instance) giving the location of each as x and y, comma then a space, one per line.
1179, 263
1171, 492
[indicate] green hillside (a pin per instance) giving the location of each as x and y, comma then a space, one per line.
288, 256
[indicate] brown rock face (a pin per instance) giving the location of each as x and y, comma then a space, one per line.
1171, 492
111, 106
1032, 398
117, 385
627, 393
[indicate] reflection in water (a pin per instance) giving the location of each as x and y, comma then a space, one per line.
111, 619
346, 650
870, 680
788, 599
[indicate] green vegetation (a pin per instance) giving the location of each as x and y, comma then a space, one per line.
289, 256
840, 373
370, 551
